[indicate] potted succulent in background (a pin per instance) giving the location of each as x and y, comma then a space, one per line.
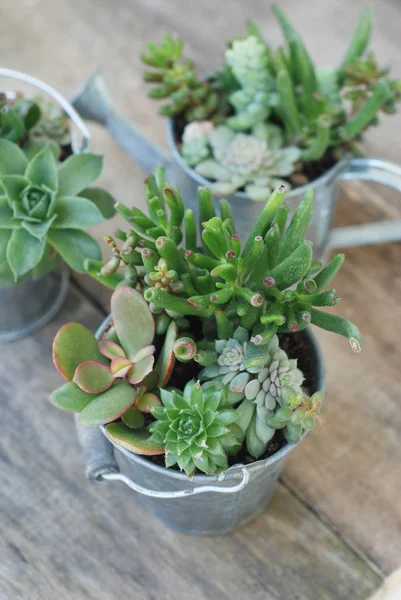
265, 118
206, 360
45, 203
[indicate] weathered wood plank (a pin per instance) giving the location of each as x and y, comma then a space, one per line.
63, 537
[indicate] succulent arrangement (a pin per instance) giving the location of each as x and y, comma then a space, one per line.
200, 362
44, 207
270, 113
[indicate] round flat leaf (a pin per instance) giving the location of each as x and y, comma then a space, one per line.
109, 406
76, 213
139, 370
12, 160
93, 377
133, 418
133, 320
74, 246
77, 172
42, 169
103, 200
120, 365
110, 349
73, 345
135, 440
70, 397
146, 402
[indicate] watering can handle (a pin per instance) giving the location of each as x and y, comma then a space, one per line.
101, 465
65, 105
379, 171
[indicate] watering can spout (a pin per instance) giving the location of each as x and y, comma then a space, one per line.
93, 102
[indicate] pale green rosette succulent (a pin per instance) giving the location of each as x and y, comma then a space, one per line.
258, 380
247, 161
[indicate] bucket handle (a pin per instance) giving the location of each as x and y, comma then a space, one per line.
102, 465
66, 106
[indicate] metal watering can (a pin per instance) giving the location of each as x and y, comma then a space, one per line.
93, 102
205, 504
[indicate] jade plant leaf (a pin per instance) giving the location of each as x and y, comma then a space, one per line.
12, 160
93, 377
77, 172
73, 345
110, 349
76, 213
146, 402
132, 319
120, 365
166, 361
133, 418
139, 370
110, 405
74, 246
70, 397
135, 440
103, 200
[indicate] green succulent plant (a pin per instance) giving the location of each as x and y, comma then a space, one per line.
246, 161
321, 111
195, 432
18, 117
43, 208
219, 310
257, 378
53, 124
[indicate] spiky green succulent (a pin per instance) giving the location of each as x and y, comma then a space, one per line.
319, 110
195, 431
246, 162
257, 377
44, 207
18, 116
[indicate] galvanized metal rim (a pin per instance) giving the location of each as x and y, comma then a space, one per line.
234, 471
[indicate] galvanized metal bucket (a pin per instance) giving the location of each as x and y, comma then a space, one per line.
93, 102
30, 304
201, 505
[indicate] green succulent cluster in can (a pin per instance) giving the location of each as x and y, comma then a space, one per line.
266, 113
46, 200
197, 363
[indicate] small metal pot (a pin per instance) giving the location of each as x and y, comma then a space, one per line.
93, 102
30, 304
227, 502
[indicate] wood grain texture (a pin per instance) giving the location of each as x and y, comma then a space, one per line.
348, 473
62, 537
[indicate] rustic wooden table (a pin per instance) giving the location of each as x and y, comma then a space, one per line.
333, 530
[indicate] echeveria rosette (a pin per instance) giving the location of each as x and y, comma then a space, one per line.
44, 208
196, 433
257, 377
248, 162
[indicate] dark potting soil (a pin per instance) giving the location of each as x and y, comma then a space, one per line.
295, 346
304, 172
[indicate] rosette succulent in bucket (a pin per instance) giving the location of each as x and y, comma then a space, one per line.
203, 363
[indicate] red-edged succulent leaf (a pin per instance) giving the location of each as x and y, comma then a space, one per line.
93, 377
110, 349
133, 418
139, 370
133, 320
166, 361
70, 397
73, 345
135, 440
109, 406
146, 402
119, 366
143, 353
